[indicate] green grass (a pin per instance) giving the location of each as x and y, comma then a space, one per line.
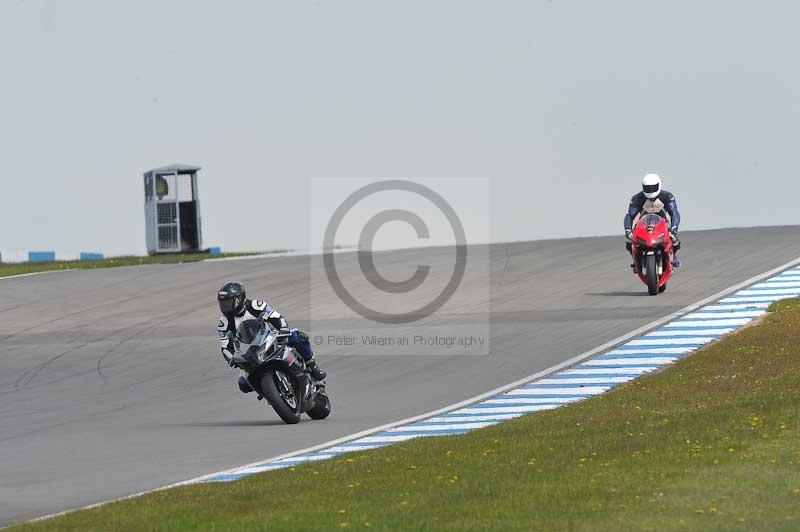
710, 443
17, 268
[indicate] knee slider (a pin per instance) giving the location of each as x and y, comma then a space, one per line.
244, 386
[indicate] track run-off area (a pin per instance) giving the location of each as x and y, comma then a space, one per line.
112, 382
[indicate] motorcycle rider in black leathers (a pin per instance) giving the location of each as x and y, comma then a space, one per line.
235, 308
654, 200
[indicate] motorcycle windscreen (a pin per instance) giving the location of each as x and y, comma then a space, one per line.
651, 220
248, 331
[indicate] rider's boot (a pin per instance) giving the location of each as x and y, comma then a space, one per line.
315, 370
676, 263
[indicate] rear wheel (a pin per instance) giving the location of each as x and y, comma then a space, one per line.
322, 408
652, 274
281, 395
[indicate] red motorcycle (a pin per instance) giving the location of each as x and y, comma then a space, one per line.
651, 247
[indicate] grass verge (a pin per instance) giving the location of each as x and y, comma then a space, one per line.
18, 268
710, 443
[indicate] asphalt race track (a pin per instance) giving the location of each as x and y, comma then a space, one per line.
111, 382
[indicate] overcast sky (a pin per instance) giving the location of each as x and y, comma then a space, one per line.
564, 105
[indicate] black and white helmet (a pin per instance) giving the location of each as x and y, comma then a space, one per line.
231, 298
651, 186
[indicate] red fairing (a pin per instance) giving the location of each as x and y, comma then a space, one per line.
651, 236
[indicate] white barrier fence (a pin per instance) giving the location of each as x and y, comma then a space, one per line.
47, 255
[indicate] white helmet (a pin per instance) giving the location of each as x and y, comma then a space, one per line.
651, 186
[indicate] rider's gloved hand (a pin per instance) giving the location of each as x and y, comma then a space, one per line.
673, 235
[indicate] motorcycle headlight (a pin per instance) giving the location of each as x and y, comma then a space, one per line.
654, 242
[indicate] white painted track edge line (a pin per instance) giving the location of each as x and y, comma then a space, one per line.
552, 369
17, 276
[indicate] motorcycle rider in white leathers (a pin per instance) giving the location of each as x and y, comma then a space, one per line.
236, 308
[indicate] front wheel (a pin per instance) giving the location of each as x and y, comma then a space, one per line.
281, 395
322, 407
652, 274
